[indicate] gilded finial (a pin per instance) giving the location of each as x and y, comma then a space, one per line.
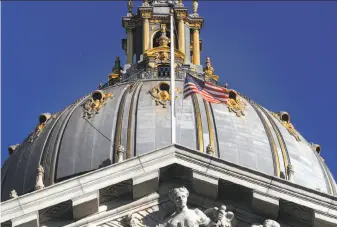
130, 7
180, 3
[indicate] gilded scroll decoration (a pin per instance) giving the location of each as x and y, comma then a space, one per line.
284, 118
96, 102
43, 119
236, 104
161, 94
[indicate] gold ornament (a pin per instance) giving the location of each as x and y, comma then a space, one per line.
286, 123
209, 71
236, 105
95, 103
161, 94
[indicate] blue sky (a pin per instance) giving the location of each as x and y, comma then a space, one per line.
281, 54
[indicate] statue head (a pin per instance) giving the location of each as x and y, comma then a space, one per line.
179, 197
270, 223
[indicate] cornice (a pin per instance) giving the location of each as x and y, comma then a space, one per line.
321, 203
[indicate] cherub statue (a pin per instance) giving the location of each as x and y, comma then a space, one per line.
220, 217
268, 223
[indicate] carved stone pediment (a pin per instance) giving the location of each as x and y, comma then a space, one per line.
175, 213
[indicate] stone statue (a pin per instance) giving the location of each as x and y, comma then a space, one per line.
267, 223
290, 172
185, 217
13, 194
220, 217
195, 6
130, 7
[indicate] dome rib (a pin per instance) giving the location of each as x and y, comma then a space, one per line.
130, 141
56, 152
119, 124
276, 160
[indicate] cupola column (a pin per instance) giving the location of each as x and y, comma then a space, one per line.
196, 47
129, 46
146, 30
181, 31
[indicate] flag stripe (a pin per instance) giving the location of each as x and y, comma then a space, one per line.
210, 92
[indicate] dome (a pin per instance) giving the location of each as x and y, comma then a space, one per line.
131, 115
137, 116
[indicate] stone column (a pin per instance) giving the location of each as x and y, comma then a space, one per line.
181, 31
196, 47
146, 32
129, 46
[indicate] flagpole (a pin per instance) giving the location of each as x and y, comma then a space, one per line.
173, 115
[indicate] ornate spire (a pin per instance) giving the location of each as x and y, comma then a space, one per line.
39, 178
130, 7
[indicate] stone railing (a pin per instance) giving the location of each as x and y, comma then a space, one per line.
134, 74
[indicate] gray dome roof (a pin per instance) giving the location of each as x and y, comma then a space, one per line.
70, 144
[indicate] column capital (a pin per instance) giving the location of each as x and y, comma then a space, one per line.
195, 26
146, 14
129, 29
181, 15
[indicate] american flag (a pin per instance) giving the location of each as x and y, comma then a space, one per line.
208, 91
